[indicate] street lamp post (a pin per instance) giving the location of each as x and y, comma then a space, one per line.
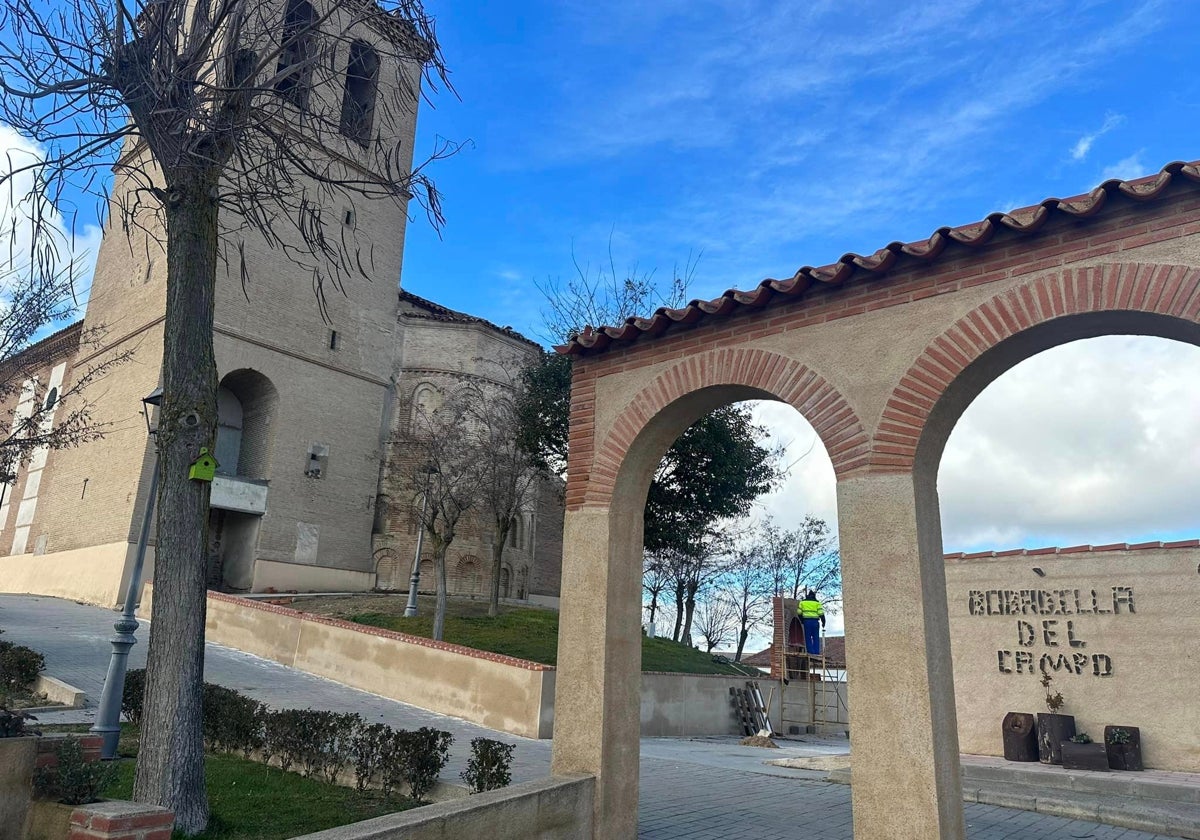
108, 716
410, 608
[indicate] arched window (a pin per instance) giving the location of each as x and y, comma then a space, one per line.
358, 100
467, 572
505, 581
297, 52
426, 400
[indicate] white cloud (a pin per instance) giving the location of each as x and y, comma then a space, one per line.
1093, 442
1084, 144
1126, 168
32, 230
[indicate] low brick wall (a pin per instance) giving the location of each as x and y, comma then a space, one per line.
121, 821
559, 807
499, 692
48, 744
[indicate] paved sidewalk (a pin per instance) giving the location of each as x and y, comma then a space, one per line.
702, 788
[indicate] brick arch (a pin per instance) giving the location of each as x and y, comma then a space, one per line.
834, 421
1171, 290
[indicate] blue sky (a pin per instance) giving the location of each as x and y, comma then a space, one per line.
764, 136
757, 137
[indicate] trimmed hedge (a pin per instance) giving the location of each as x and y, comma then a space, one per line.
316, 743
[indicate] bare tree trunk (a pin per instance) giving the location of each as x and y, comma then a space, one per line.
170, 764
439, 615
653, 604
689, 607
497, 565
678, 611
742, 636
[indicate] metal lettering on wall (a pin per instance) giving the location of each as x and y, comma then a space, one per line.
1060, 635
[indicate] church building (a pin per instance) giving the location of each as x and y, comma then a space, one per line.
311, 388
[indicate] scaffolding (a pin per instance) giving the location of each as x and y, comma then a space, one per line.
810, 699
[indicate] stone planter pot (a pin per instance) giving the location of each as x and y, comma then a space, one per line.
1020, 737
17, 758
1091, 756
1052, 730
49, 820
1127, 756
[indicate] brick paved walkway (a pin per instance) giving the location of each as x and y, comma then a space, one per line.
707, 788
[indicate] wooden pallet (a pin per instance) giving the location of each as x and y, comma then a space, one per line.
750, 708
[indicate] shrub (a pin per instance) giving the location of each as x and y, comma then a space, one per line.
423, 754
232, 721
392, 759
133, 695
1081, 738
283, 738
19, 666
488, 767
369, 744
73, 780
1120, 736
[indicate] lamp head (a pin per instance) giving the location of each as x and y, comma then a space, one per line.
149, 402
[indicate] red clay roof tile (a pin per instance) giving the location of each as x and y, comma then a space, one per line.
1027, 220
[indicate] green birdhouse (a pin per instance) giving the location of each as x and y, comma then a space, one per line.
204, 467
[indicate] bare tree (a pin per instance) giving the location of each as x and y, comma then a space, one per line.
748, 589
441, 470
688, 573
232, 124
508, 473
800, 559
655, 579
715, 619
40, 416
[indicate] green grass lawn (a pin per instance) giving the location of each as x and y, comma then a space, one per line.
532, 634
251, 801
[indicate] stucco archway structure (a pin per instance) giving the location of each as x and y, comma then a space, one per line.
881, 354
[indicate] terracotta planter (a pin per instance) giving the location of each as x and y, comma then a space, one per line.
1127, 756
1052, 730
1020, 737
17, 758
1091, 756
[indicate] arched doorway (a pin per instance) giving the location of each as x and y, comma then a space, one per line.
886, 336
1076, 470
603, 539
246, 401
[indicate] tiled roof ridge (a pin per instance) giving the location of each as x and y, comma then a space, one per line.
1073, 549
1026, 220
453, 316
45, 348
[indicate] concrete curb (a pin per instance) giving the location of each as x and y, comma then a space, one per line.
58, 691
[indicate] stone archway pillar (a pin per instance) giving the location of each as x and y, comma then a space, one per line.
903, 729
597, 700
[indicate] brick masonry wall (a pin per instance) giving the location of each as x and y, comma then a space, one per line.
48, 744
120, 821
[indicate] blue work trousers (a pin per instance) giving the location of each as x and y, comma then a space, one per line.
812, 635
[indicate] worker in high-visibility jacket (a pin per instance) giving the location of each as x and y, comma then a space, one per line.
812, 617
